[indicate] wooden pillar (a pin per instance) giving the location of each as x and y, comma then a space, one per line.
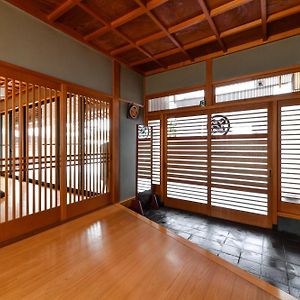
209, 89
115, 130
274, 148
63, 151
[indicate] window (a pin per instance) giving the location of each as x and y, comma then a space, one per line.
176, 101
268, 86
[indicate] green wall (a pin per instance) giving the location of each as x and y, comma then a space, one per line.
27, 42
174, 79
132, 88
280, 54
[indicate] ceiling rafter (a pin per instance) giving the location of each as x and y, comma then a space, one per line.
125, 18
164, 29
62, 9
263, 10
212, 24
89, 11
185, 24
248, 45
43, 17
253, 24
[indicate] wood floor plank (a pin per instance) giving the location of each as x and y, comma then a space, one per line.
115, 254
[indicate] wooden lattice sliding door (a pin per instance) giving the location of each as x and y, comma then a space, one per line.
289, 157
54, 152
87, 150
29, 153
219, 164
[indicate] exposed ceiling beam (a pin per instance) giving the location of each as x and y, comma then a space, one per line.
126, 18
115, 30
263, 10
272, 38
284, 13
190, 22
229, 32
62, 9
212, 24
163, 28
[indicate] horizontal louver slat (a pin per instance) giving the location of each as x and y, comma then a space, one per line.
290, 154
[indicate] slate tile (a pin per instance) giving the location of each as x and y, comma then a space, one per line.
249, 266
231, 250
230, 258
274, 274
253, 256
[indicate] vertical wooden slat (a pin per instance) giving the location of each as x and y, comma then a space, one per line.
33, 147
81, 145
101, 145
63, 151
98, 147
86, 108
6, 148
56, 139
13, 149
40, 148
94, 147
21, 150
75, 166
69, 149
46, 95
106, 150
27, 147
51, 153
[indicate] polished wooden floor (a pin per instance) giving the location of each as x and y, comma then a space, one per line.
116, 254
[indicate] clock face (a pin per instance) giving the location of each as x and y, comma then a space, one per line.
133, 111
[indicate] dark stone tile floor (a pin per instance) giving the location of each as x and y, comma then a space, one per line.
268, 254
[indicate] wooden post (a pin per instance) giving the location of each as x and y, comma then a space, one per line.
63, 152
115, 127
209, 89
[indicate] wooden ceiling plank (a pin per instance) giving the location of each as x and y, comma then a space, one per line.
97, 33
263, 9
122, 49
107, 27
150, 38
212, 24
155, 3
228, 6
62, 9
229, 32
241, 28
195, 20
248, 45
284, 13
128, 17
163, 28
185, 24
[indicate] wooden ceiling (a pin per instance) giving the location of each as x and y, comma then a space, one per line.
152, 36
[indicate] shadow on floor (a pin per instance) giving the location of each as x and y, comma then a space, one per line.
270, 255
